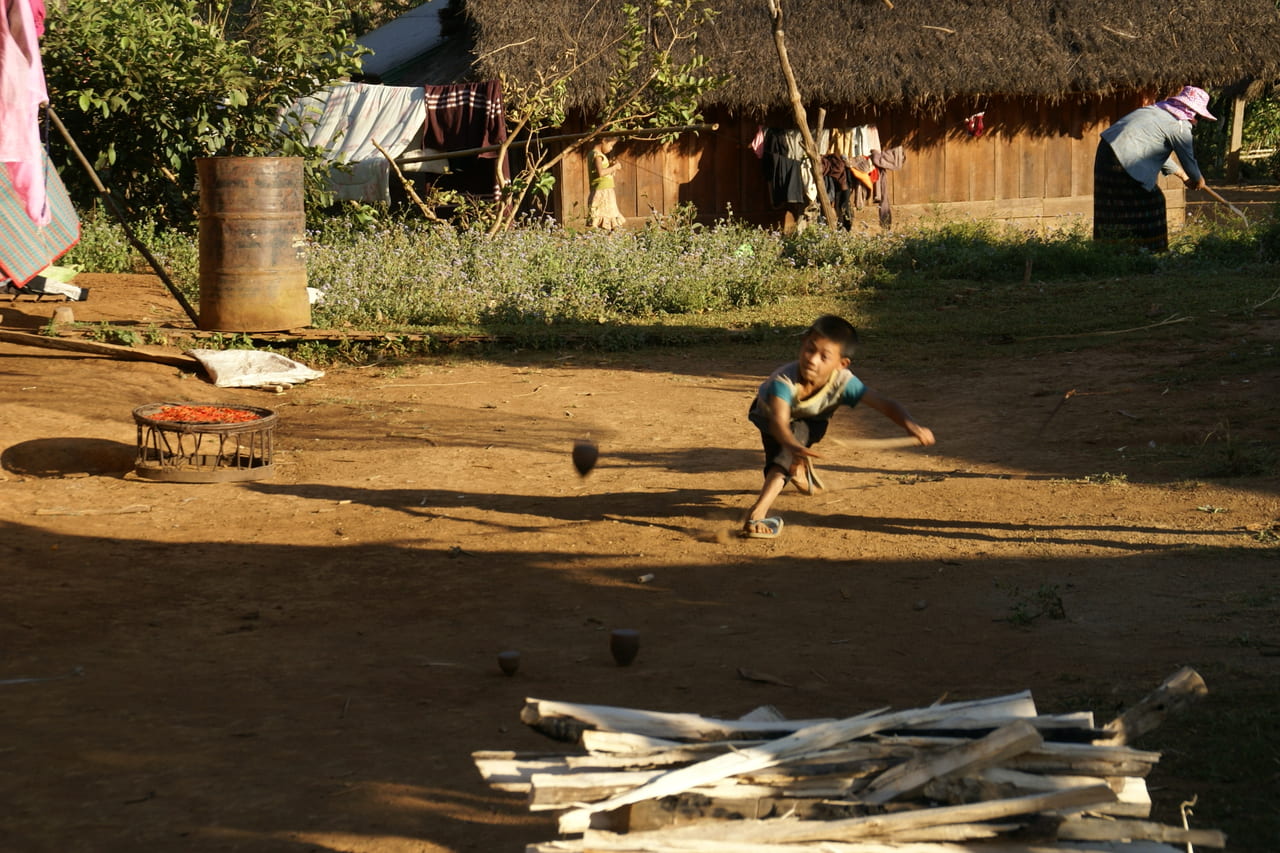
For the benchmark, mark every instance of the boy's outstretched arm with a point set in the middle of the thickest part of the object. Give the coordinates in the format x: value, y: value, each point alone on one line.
x: 780, y: 428
x: 894, y: 411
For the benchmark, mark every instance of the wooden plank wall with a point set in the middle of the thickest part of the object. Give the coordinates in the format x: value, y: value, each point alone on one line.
x: 1032, y: 167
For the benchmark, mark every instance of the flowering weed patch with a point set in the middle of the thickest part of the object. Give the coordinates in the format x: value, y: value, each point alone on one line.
x: 417, y: 275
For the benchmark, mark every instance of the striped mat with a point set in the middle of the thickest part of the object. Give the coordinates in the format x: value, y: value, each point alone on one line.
x: 25, y: 249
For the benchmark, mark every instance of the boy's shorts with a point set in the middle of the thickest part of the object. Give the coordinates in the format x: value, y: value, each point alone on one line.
x: 808, y: 431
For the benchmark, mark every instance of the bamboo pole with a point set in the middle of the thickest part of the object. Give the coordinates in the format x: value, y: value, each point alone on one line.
x: 561, y: 137
x: 797, y: 106
x: 119, y: 215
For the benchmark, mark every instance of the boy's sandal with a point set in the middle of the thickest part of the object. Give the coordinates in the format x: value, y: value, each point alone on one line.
x: 762, y: 528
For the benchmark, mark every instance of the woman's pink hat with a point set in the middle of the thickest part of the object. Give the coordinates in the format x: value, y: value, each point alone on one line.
x: 1196, y: 100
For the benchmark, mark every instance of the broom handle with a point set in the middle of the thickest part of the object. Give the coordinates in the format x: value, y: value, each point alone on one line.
x: 1234, y: 209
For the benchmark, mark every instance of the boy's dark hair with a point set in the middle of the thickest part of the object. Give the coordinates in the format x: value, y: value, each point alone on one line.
x: 836, y: 329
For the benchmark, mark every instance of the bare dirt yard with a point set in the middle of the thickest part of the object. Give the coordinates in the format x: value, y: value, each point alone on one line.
x: 306, y: 662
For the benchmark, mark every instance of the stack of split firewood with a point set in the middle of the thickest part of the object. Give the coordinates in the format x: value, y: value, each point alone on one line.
x: 992, y: 776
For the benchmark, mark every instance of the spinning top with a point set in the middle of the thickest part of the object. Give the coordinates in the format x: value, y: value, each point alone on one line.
x: 585, y: 454
x: 508, y: 662
x: 624, y: 645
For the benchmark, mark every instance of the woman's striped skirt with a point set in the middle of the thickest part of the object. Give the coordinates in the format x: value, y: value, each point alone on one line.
x: 1124, y: 211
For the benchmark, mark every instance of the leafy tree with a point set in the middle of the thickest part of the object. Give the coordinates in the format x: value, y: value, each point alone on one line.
x: 147, y: 86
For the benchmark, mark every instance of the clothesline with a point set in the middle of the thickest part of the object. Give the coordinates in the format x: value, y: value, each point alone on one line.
x: 562, y: 137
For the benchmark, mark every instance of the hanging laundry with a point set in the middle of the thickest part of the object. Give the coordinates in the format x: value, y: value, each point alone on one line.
x: 841, y: 142
x: 887, y: 161
x: 787, y: 169
x: 757, y: 142
x: 865, y: 175
x: 346, y: 120
x: 974, y: 124
x: 467, y: 115
x: 22, y: 92
x: 839, y: 185
x: 866, y: 138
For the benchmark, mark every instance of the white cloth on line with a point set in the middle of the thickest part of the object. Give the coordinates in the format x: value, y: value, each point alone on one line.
x: 347, y: 118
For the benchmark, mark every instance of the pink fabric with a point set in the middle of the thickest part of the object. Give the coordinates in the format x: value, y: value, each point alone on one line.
x: 1176, y: 109
x: 22, y: 91
x: 1188, y: 104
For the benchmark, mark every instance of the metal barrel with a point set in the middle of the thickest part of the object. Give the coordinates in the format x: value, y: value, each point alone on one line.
x: 253, y: 273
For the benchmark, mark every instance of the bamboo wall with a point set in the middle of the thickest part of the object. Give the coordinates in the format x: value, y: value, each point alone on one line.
x: 1032, y: 167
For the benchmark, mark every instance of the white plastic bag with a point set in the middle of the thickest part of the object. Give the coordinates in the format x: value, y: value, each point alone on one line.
x: 249, y: 368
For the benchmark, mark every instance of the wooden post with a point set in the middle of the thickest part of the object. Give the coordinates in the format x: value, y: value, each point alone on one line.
x: 797, y: 106
x: 1237, y: 140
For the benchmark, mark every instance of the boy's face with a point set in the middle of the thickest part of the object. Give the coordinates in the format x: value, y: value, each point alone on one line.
x: 819, y: 358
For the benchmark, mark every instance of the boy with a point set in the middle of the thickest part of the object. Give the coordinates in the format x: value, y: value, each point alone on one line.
x: 794, y: 407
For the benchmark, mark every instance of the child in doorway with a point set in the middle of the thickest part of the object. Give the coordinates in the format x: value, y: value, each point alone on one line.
x: 604, y: 201
x: 794, y: 406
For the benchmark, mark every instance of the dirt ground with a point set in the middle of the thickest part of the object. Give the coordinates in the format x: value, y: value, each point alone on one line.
x: 306, y: 662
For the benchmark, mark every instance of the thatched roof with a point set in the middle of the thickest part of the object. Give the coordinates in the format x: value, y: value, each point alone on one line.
x: 917, y: 53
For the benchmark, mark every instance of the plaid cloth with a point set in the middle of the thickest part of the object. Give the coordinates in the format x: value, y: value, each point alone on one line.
x: 1124, y: 211
x: 25, y: 248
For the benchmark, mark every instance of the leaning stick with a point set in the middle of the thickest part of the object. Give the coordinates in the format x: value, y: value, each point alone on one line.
x: 881, y: 443
x: 1065, y: 397
x: 1169, y: 321
x: 426, y: 211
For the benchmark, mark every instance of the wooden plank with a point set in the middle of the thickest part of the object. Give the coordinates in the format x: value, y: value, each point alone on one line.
x: 1008, y: 152
x: 690, y: 808
x: 639, y: 183
x: 553, y: 792
x: 1083, y: 151
x: 1178, y: 691
x: 805, y: 741
x: 732, y: 170
x: 94, y: 348
x: 1031, y: 165
x: 678, y: 754
x: 1132, y: 797
x: 510, y: 771
x: 625, y: 743
x: 1006, y: 741
x: 626, y: 844
x: 879, y: 826
x: 959, y: 154
x: 1055, y: 150
x: 1042, y: 722
x: 982, y: 165
x: 1081, y: 758
x: 859, y: 759
x: 928, y: 164
x: 1093, y: 829
x: 693, y: 727
x: 680, y: 726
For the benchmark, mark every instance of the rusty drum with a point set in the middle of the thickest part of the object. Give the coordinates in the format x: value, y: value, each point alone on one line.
x: 253, y: 274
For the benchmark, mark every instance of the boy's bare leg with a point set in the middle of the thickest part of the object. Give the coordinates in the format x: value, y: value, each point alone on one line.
x: 774, y: 481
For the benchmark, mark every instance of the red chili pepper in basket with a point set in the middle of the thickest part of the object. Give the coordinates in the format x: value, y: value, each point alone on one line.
x: 204, y: 415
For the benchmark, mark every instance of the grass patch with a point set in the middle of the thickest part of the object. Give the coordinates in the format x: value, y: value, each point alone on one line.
x: 928, y: 297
